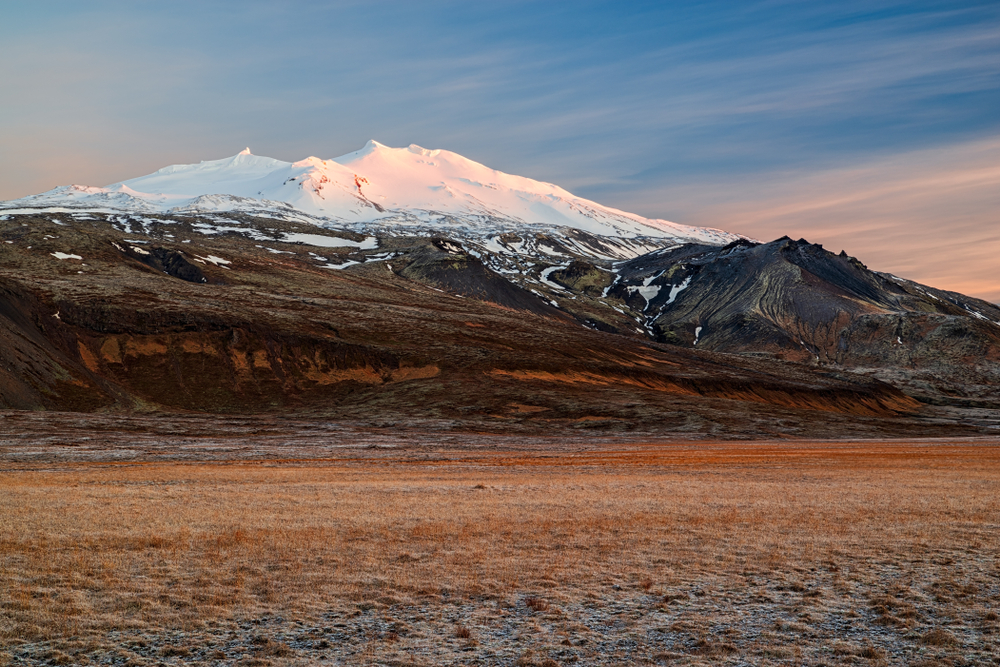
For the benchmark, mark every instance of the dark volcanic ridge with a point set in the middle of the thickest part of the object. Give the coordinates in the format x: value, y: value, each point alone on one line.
x: 231, y: 314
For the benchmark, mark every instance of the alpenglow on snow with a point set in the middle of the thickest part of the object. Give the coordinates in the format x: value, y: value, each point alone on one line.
x: 398, y: 190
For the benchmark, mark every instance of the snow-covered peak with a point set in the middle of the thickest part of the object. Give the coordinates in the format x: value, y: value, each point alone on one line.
x: 376, y: 185
x: 417, y: 150
x: 240, y: 166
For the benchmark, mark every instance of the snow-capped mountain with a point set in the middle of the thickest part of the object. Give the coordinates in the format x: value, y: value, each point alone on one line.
x: 378, y: 188
x: 256, y: 284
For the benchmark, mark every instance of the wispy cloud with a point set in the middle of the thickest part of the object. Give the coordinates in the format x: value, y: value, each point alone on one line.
x: 931, y: 215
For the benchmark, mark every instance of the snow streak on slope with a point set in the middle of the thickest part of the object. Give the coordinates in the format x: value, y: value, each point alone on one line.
x: 375, y: 187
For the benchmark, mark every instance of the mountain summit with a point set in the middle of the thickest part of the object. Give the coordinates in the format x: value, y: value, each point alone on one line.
x: 410, y: 187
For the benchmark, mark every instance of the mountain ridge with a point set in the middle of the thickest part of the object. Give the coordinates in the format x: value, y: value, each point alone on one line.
x: 120, y: 300
x: 375, y: 186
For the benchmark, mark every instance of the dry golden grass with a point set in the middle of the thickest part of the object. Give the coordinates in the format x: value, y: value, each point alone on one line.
x: 690, y: 552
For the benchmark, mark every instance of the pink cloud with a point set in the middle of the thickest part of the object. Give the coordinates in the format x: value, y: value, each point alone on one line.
x: 932, y: 216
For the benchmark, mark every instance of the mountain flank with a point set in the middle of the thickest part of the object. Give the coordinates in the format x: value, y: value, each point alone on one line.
x: 413, y: 328
x: 413, y: 284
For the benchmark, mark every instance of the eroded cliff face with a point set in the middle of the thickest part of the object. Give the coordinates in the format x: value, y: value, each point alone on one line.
x: 241, y: 369
x: 420, y: 328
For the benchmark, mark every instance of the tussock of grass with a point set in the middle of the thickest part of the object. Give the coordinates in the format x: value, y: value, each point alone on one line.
x: 938, y: 637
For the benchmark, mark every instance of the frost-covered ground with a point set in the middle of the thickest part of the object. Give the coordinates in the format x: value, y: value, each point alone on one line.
x: 145, y: 541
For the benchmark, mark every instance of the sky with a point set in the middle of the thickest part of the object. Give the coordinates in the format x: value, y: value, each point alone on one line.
x: 872, y: 127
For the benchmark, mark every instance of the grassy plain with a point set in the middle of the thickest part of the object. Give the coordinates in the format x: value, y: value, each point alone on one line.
x: 817, y: 553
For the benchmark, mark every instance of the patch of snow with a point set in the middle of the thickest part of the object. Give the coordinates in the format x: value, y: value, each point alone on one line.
x: 607, y: 289
x: 218, y: 261
x: 676, y: 289
x: 550, y: 251
x: 926, y: 293
x: 39, y: 210
x: 141, y: 251
x: 320, y: 241
x: 697, y: 334
x: 649, y: 292
x: 982, y: 317
x: 544, y: 276
x: 493, y: 245
x: 899, y: 340
x: 340, y: 266
x: 62, y: 255
x: 210, y: 230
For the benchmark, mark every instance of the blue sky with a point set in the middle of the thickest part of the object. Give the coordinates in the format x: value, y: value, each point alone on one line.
x: 847, y: 123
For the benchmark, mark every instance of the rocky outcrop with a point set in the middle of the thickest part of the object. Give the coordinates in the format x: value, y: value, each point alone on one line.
x: 794, y: 300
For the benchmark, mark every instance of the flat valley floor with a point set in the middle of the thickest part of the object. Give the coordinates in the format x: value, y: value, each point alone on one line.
x: 196, y: 540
